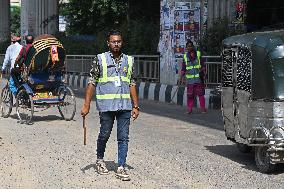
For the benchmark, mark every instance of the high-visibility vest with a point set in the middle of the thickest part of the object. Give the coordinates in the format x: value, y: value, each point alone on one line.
x: 192, y: 68
x: 112, y: 89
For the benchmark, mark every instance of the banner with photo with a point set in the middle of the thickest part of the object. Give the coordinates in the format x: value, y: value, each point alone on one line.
x: 186, y: 25
x: 240, y: 11
x: 179, y: 22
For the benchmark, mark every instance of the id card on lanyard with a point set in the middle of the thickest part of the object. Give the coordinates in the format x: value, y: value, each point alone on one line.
x: 117, y: 82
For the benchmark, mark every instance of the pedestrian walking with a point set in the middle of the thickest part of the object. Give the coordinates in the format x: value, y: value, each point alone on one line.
x: 193, y: 69
x: 111, y: 77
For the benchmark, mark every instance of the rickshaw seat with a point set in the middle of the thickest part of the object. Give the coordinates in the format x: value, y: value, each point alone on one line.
x: 43, y: 81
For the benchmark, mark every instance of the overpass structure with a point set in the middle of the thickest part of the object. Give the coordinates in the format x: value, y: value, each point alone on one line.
x: 37, y: 17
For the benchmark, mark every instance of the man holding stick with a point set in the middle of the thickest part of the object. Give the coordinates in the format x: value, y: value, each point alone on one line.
x: 111, y: 77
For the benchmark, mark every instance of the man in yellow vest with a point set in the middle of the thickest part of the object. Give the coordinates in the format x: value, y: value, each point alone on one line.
x: 193, y: 69
x: 111, y: 77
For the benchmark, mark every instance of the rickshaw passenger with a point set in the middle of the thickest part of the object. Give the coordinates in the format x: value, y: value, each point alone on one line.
x: 17, y: 69
x: 11, y: 55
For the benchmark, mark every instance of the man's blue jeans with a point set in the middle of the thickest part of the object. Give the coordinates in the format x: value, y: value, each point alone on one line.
x: 13, y: 87
x: 107, y: 121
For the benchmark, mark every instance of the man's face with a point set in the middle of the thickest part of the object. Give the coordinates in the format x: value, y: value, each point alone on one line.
x: 115, y: 43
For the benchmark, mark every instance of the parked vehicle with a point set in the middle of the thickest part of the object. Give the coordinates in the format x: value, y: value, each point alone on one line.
x: 253, y: 95
x: 41, y: 82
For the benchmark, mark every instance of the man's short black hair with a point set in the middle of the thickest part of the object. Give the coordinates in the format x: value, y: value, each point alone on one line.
x: 113, y: 32
x: 29, y: 39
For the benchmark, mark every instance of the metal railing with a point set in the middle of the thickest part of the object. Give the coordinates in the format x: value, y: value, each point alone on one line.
x: 79, y: 63
x: 147, y: 67
x: 213, y: 70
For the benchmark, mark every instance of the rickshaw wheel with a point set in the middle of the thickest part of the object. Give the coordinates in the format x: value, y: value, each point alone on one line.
x: 244, y: 148
x: 262, y: 160
x: 67, y: 108
x: 24, y: 106
x: 6, y: 100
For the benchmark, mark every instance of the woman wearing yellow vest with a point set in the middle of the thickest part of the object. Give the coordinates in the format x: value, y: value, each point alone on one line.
x: 193, y: 69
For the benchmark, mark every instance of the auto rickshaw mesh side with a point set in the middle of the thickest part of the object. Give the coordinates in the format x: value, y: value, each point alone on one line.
x: 253, y: 95
x: 259, y: 65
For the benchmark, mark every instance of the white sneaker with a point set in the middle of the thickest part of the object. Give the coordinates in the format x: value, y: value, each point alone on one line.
x: 101, y: 167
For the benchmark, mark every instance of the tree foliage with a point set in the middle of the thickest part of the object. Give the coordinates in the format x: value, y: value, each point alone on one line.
x: 15, y: 20
x: 138, y: 20
x: 212, y: 41
x: 15, y: 27
x: 92, y: 16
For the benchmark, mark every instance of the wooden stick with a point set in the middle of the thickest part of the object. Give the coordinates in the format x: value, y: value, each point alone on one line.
x: 85, y: 131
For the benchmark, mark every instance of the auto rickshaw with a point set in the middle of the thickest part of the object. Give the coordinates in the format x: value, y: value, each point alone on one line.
x: 252, y: 93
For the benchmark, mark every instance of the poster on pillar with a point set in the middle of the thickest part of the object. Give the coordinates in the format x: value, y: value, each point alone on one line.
x: 186, y: 26
x: 179, y: 22
x: 165, y: 46
x: 204, y: 17
x: 240, y: 11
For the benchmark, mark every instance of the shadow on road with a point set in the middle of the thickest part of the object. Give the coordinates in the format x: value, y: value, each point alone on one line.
x: 246, y: 160
x: 40, y: 118
x: 111, y: 166
x: 212, y: 119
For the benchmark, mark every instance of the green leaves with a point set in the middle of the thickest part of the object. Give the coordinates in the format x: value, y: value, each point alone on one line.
x: 138, y: 20
x: 15, y: 20
x: 90, y: 17
x: 212, y: 41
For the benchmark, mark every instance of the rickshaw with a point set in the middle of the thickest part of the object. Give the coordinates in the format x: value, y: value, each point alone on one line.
x: 41, y: 82
x: 252, y: 95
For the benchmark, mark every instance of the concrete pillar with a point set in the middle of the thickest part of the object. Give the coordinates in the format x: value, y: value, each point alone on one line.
x: 28, y: 17
x: 223, y: 11
x: 4, y: 20
x: 39, y: 17
x: 216, y: 9
x: 210, y: 8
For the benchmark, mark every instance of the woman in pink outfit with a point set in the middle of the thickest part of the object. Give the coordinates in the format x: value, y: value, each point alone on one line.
x: 193, y: 70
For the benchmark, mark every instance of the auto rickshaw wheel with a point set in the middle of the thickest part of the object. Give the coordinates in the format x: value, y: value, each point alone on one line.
x: 244, y: 148
x: 24, y: 106
x: 6, y: 100
x: 262, y: 160
x: 67, y: 108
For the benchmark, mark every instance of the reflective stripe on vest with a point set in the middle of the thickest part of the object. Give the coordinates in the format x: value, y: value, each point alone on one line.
x: 188, y: 68
x: 105, y: 78
x: 113, y: 96
x: 188, y: 76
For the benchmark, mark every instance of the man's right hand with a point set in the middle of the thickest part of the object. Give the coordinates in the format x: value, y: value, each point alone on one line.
x: 3, y: 71
x: 85, y: 110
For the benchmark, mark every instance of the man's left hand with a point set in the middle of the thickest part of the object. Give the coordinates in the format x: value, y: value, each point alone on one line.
x: 134, y: 113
